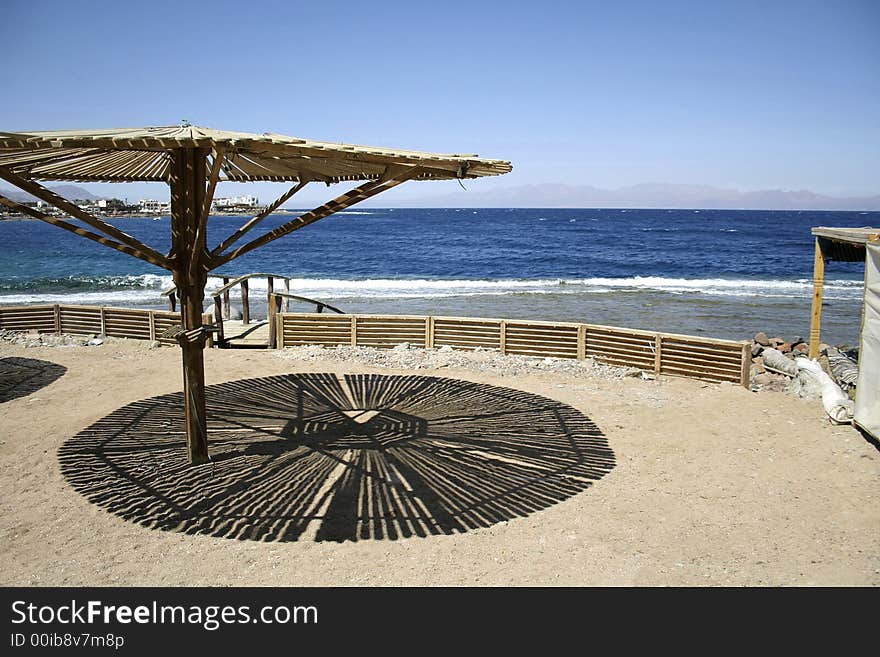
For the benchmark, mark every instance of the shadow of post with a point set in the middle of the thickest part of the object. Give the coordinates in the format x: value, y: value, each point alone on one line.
x: 327, y: 458
x: 20, y: 377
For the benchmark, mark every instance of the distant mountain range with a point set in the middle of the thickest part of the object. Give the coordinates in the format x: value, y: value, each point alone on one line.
x: 553, y: 195
x: 649, y: 195
x: 73, y: 192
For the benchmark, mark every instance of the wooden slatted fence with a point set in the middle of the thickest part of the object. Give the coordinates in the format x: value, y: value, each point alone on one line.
x: 84, y: 320
x: 662, y: 353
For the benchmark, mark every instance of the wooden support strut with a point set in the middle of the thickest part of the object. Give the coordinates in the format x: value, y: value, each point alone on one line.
x: 269, y: 209
x: 356, y: 195
x: 159, y: 261
x: 144, y: 252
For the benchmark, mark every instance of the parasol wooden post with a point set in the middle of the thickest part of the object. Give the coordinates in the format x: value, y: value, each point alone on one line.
x: 190, y: 276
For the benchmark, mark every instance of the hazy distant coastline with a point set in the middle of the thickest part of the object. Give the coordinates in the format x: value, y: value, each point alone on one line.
x: 646, y: 196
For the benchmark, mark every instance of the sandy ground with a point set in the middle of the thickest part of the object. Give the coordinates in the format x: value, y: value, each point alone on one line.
x: 714, y: 485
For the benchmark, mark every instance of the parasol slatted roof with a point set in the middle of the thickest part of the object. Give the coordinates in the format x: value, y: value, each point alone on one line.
x: 143, y: 154
x: 192, y: 160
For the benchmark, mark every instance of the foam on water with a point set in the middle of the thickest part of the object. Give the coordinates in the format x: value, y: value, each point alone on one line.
x: 147, y: 288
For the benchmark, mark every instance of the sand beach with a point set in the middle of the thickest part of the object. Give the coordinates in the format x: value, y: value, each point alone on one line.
x: 711, y: 484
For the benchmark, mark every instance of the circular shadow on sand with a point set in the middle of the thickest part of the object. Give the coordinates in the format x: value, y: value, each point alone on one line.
x: 20, y: 377
x: 326, y: 457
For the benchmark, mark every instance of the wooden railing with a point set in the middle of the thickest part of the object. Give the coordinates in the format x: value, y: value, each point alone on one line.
x: 85, y: 320
x: 661, y: 353
x: 274, y: 300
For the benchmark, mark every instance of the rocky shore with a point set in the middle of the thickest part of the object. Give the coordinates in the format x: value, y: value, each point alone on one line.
x: 768, y: 372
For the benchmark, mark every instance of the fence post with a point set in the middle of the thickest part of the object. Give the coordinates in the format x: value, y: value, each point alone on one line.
x: 270, y: 284
x: 103, y: 322
x: 226, y: 297
x: 274, y: 306
x: 745, y: 375
x: 218, y: 319
x: 245, y: 304
x: 354, y: 330
x: 502, y: 336
x: 429, y: 332
x: 152, y: 321
x: 658, y: 353
x: 582, y: 342
x: 57, y: 315
x: 286, y: 291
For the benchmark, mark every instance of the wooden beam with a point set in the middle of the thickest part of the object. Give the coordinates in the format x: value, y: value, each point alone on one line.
x: 346, y: 200
x: 269, y: 209
x: 818, y: 283
x: 218, y: 154
x: 187, y: 181
x: 82, y: 232
x: 64, y: 205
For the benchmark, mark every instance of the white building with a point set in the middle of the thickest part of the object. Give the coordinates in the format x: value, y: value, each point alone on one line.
x: 237, y: 202
x: 151, y: 206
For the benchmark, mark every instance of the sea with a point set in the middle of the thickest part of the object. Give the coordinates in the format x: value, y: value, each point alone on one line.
x: 714, y: 273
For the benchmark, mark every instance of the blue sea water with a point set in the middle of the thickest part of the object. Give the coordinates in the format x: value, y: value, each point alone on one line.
x: 719, y: 273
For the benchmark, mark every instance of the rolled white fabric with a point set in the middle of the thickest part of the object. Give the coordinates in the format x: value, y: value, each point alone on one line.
x: 837, y: 405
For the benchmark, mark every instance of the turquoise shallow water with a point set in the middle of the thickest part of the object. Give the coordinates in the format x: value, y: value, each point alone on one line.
x: 706, y: 272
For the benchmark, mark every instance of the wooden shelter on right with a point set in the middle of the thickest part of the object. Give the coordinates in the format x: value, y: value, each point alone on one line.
x: 854, y: 245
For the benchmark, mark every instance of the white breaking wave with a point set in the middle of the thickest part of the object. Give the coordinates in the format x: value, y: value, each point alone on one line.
x: 146, y: 289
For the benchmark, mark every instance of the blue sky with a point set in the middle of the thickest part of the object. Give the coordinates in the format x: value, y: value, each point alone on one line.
x: 751, y: 95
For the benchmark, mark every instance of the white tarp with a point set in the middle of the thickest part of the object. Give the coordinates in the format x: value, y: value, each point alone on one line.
x: 867, y: 411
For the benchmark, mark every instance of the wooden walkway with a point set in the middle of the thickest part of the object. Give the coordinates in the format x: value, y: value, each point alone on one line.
x: 254, y: 335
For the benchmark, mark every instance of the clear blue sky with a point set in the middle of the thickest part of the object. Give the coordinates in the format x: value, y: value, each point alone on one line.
x: 743, y: 94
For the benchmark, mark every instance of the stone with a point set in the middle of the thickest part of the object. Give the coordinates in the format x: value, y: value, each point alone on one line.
x: 784, y: 347
x: 758, y: 364
x: 778, y: 340
x: 797, y: 340
x: 801, y: 347
x: 761, y: 339
x: 763, y: 379
x: 757, y: 348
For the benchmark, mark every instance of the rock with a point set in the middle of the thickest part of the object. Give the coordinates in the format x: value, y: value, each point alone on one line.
x: 445, y: 348
x: 95, y: 342
x: 823, y: 348
x: 777, y: 340
x: 403, y: 346
x: 797, y: 340
x: 763, y: 379
x: 757, y: 348
x: 762, y: 339
x: 154, y: 344
x: 758, y: 364
x: 784, y: 347
x: 801, y: 348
